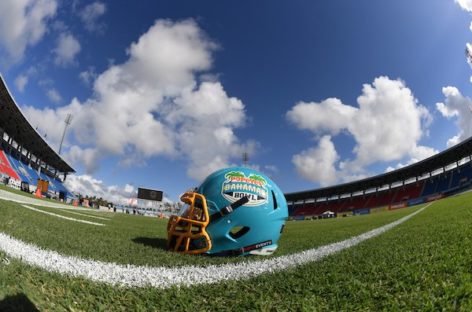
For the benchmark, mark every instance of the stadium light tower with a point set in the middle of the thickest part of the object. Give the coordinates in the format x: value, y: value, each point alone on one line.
x: 67, y: 121
x: 245, y: 158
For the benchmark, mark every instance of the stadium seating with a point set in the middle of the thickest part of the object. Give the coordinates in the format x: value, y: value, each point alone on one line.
x: 461, y: 175
x: 407, y: 192
x: 429, y: 186
x: 6, y: 167
x: 21, y: 172
x: 383, y: 198
x: 25, y: 173
x: 443, y: 182
x: 434, y: 187
x: 356, y: 203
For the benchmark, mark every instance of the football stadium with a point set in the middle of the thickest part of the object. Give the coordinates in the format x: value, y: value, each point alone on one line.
x: 251, y: 236
x: 400, y: 240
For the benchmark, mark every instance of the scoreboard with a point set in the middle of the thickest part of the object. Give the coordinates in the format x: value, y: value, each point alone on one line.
x: 149, y: 194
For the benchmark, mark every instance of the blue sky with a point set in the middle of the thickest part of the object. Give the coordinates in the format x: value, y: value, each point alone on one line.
x: 163, y: 93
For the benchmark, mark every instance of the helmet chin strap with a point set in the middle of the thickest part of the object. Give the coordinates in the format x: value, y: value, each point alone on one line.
x: 229, y: 209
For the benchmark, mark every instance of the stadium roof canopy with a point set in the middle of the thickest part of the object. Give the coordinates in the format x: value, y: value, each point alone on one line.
x: 13, y: 122
x: 419, y: 169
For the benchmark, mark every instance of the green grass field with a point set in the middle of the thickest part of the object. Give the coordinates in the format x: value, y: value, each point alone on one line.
x: 423, y: 264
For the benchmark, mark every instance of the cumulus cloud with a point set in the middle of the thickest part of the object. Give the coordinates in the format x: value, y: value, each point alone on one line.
x: 318, y: 164
x: 154, y: 104
x: 466, y: 5
x: 20, y: 82
x: 90, y: 15
x: 87, y: 185
x: 386, y: 126
x: 23, y: 23
x: 468, y: 53
x: 318, y: 116
x: 88, y: 76
x: 46, y: 121
x: 54, y: 96
x: 418, y: 154
x: 86, y: 156
x: 67, y: 49
x: 459, y: 107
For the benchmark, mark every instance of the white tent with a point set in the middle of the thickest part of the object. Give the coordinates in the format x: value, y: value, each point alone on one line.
x: 328, y: 214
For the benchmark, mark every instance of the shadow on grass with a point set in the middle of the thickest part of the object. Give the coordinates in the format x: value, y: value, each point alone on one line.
x: 17, y: 303
x: 151, y: 242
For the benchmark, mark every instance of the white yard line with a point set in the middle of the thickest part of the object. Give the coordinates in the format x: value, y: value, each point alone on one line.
x: 165, y: 277
x: 38, y: 202
x: 86, y: 215
x: 32, y: 201
x: 63, y: 217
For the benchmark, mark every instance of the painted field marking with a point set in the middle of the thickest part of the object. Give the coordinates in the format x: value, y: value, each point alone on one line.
x: 165, y: 277
x: 63, y: 217
x: 86, y: 215
x: 5, y: 195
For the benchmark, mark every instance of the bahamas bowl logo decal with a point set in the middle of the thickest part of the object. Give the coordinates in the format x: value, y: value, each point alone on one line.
x: 237, y: 185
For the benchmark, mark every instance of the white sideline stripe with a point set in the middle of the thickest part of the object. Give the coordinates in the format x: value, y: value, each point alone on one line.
x: 165, y: 277
x: 86, y: 215
x: 37, y: 202
x: 63, y: 217
x: 33, y: 201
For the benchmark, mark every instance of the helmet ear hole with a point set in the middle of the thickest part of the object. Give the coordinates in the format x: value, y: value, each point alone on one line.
x: 275, y: 200
x: 238, y: 231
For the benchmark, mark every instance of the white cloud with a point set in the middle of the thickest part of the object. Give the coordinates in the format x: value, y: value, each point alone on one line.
x: 206, y: 117
x: 153, y: 104
x: 47, y: 121
x: 466, y: 5
x: 90, y: 15
x: 386, y: 126
x: 54, y: 96
x: 418, y: 154
x: 67, y: 49
x: 20, y: 82
x: 23, y: 23
x: 88, y: 76
x: 460, y: 107
x: 87, y: 185
x: 318, y: 164
x: 421, y: 152
x: 454, y: 140
x: 318, y: 116
x: 468, y: 50
x: 86, y: 156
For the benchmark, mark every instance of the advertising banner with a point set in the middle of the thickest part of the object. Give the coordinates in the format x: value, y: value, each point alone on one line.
x: 361, y: 211
x: 416, y: 201
x: 397, y: 206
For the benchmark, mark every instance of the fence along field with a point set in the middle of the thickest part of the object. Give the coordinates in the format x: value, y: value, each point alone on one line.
x: 400, y: 268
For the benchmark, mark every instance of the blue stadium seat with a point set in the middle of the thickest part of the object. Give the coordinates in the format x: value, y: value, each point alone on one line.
x: 31, y: 176
x: 429, y: 186
x: 443, y: 183
x: 461, y: 174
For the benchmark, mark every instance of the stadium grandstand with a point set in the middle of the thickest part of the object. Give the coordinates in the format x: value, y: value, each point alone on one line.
x: 25, y: 157
x: 441, y: 175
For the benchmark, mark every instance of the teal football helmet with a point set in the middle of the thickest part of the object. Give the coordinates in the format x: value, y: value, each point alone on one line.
x: 235, y: 211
